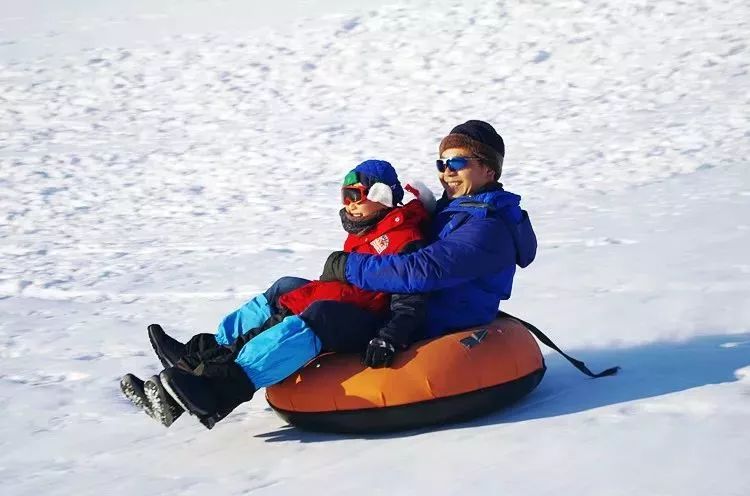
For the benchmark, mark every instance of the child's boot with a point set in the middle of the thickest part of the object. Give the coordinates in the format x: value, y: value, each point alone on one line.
x: 210, y: 392
x: 132, y: 388
x: 170, y: 351
x: 164, y: 406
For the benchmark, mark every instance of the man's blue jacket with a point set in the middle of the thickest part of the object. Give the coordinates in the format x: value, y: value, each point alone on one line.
x: 469, y: 266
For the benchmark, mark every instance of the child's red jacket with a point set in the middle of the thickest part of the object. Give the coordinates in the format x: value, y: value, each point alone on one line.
x: 400, y: 227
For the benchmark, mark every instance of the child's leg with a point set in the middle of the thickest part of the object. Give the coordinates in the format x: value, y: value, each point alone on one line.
x: 284, y: 348
x: 255, y: 312
x: 283, y: 286
x: 212, y: 384
x: 277, y: 352
x: 218, y: 383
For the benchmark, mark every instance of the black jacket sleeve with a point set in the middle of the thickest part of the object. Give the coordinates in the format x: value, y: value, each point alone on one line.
x: 408, y: 312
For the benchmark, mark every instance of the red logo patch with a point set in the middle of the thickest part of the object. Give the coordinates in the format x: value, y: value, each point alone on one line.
x: 380, y: 244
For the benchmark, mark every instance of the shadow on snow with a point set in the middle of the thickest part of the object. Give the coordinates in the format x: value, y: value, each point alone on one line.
x: 648, y: 371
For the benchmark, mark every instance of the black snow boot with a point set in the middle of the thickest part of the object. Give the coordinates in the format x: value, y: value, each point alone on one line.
x: 232, y: 385
x: 169, y: 350
x: 132, y: 388
x: 211, y: 391
x: 166, y: 409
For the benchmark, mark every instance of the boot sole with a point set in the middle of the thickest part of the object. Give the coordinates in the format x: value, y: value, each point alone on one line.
x: 168, y: 388
x: 207, y: 421
x: 163, y: 411
x: 131, y: 392
x: 163, y: 359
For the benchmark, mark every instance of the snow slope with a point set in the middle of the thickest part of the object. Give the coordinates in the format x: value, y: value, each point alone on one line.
x: 154, y: 164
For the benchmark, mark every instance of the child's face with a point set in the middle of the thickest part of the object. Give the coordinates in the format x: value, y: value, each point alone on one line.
x: 363, y: 209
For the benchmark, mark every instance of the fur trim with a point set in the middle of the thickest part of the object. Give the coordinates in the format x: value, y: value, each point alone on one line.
x: 417, y: 190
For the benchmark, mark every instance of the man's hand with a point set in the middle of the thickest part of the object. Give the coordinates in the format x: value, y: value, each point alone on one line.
x: 379, y: 353
x: 335, y: 267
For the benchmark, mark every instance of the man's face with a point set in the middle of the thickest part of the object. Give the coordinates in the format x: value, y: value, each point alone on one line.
x: 468, y: 180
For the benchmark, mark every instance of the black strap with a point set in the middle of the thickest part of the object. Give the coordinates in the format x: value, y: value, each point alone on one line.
x: 547, y: 341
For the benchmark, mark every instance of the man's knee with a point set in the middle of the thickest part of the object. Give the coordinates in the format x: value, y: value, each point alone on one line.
x: 341, y: 327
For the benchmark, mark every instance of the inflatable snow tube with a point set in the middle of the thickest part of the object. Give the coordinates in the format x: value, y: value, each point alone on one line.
x: 447, y: 379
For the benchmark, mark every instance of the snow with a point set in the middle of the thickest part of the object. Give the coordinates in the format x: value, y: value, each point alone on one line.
x: 163, y: 161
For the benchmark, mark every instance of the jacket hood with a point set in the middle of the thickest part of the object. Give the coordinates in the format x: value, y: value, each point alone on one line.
x: 496, y: 202
x: 492, y: 198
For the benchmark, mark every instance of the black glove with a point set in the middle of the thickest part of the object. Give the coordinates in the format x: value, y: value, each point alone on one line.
x: 335, y: 267
x: 379, y: 353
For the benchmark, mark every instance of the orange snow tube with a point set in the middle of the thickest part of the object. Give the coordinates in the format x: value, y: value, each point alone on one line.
x: 446, y: 379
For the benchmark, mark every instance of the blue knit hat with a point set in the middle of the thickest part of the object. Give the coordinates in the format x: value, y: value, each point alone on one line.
x: 371, y: 172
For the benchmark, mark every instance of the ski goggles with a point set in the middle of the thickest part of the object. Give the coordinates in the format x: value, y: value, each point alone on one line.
x: 454, y: 164
x: 353, y: 194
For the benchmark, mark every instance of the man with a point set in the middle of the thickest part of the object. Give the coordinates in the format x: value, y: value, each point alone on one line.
x: 479, y: 236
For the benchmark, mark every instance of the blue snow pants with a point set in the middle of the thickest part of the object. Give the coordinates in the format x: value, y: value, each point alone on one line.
x: 256, y: 311
x: 283, y: 348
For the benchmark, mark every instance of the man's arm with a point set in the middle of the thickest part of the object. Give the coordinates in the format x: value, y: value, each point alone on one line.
x: 475, y: 249
x: 408, y: 311
x: 408, y: 315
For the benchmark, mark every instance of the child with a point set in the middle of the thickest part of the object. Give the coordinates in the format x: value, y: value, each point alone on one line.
x: 277, y: 332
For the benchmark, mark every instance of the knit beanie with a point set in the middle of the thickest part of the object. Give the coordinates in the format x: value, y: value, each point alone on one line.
x: 483, y: 141
x: 381, y: 180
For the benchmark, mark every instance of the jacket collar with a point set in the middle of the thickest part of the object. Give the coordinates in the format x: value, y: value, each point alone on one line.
x: 490, y: 197
x: 413, y: 214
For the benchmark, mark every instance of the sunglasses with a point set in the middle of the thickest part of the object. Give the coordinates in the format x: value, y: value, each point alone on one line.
x: 454, y: 164
x: 353, y: 194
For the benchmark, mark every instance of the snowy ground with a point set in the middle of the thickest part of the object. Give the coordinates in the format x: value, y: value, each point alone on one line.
x: 162, y: 163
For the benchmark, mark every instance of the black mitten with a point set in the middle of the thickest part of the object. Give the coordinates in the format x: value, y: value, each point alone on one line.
x: 379, y: 353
